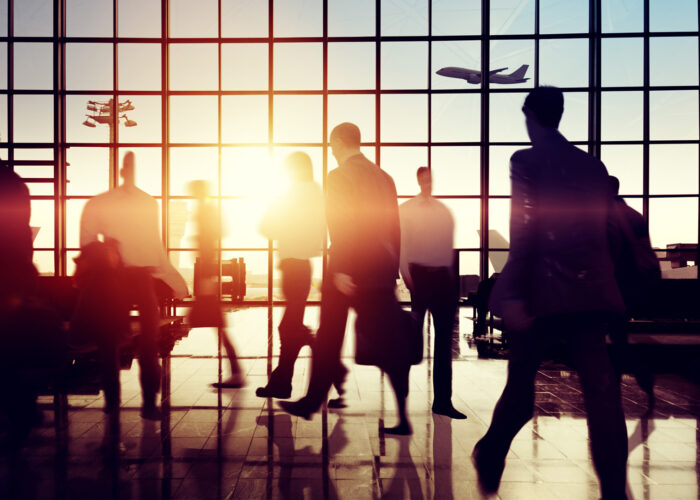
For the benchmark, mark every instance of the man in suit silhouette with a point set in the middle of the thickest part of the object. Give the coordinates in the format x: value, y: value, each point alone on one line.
x: 363, y: 224
x: 558, y: 283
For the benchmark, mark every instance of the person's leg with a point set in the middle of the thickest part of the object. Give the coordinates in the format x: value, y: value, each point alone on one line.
x: 398, y: 376
x: 108, y: 353
x: 601, y: 394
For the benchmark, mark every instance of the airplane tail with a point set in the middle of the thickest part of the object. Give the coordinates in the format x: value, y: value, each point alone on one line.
x: 520, y: 72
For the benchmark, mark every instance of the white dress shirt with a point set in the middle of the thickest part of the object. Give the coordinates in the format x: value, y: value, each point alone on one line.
x: 297, y: 222
x: 427, y: 233
x: 130, y: 216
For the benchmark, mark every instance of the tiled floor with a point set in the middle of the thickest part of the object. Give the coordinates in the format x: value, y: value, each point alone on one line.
x: 231, y: 444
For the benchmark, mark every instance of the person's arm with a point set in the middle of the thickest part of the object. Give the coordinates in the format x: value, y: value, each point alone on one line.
x: 339, y: 215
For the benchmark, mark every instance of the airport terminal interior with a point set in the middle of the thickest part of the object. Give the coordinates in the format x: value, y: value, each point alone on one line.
x: 223, y: 91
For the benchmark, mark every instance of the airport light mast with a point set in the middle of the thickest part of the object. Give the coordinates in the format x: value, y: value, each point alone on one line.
x: 103, y: 113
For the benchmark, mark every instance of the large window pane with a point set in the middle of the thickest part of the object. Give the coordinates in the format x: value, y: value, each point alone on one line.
x: 510, y: 17
x: 194, y: 19
x: 74, y: 209
x: 461, y: 54
x: 401, y: 18
x: 512, y: 54
x: 356, y: 18
x: 506, y: 121
x: 145, y: 120
x: 90, y: 109
x: 680, y: 15
x: 621, y: 116
x: 674, y: 60
x: 622, y: 16
x: 43, y: 217
x: 32, y: 18
x: 33, y: 118
x: 499, y: 221
x: 467, y: 214
x: 455, y: 118
x: 499, y: 169
x: 244, y: 66
x: 404, y: 118
x: 673, y: 220
x: 351, y: 66
x: 298, y: 18
x: 139, y: 66
x: 564, y: 62
x: 245, y: 118
x: 194, y: 66
x: 244, y: 18
x: 194, y: 119
x: 622, y: 62
x: 245, y: 171
x: 673, y: 115
x: 3, y: 65
x: 189, y: 164
x: 404, y: 65
x: 574, y: 121
x: 298, y: 66
x: 33, y: 66
x: 139, y: 18
x: 89, y: 18
x: 241, y: 218
x: 626, y: 163
x: 563, y: 16
x: 455, y: 170
x: 88, y: 171
x: 401, y: 164
x: 298, y: 118
x: 456, y: 17
x: 357, y: 109
x: 673, y: 169
x: 89, y: 66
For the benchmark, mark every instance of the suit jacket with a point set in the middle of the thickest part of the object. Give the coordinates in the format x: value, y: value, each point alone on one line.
x: 559, y: 260
x: 363, y: 223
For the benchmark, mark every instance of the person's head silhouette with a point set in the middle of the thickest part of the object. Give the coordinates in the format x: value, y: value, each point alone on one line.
x: 345, y: 141
x: 299, y: 168
x: 127, y: 172
x: 425, y: 181
x: 543, y: 109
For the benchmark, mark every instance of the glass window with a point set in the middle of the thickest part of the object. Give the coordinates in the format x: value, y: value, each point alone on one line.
x: 404, y: 118
x: 673, y: 115
x: 455, y: 170
x: 139, y: 66
x: 183, y: 227
x: 467, y: 214
x: 673, y: 169
x: 139, y: 18
x: 564, y: 62
x: 194, y: 119
x: 256, y: 279
x: 404, y: 65
x: 298, y: 118
x: 506, y: 121
x: 36, y: 171
x: 244, y: 66
x: 499, y: 221
x: 89, y: 18
x: 3, y: 65
x: 355, y: 108
x: 277, y: 181
x: 74, y: 209
x: 455, y: 53
x: 245, y: 171
x: 355, y: 18
x: 43, y: 217
x: 510, y: 17
x: 32, y: 18
x: 4, y: 117
x: 468, y: 263
x: 673, y: 60
x: 144, y: 122
x: 456, y: 17
x: 194, y: 19
x: 401, y: 18
x: 622, y: 16
x: 499, y: 169
x: 33, y: 66
x: 89, y: 66
x: 673, y: 220
x: 241, y: 218
x: 298, y: 18
x: 456, y: 118
x: 44, y: 262
x: 563, y: 16
x: 621, y: 116
x: 681, y: 15
x: 33, y: 118
x: 244, y: 18
x: 3, y: 15
x: 298, y: 66
x: 351, y: 66
x: 401, y: 164
x: 513, y: 55
x: 244, y: 118
x: 626, y: 163
x: 189, y: 164
x: 87, y: 171
x: 194, y: 66
x: 622, y: 62
x: 91, y: 109
x: 149, y: 168
x: 574, y: 121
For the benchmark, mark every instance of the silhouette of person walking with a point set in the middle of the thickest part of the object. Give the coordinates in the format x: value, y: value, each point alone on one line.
x: 363, y: 224
x: 128, y: 217
x: 558, y: 283
x: 297, y: 223
x: 207, y: 307
x: 427, y: 236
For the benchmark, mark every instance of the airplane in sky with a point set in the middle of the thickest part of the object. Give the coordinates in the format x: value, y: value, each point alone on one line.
x: 474, y: 76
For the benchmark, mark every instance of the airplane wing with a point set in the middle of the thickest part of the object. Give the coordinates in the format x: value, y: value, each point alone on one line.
x: 497, y: 70
x: 454, y: 72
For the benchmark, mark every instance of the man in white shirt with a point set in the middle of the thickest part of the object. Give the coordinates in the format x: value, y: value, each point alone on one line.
x: 128, y: 217
x: 427, y: 267
x: 297, y: 223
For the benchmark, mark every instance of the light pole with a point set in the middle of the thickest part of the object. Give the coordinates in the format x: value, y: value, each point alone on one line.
x: 103, y: 113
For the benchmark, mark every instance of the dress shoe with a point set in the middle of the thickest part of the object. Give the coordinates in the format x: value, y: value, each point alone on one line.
x: 274, y: 391
x: 235, y: 381
x: 151, y: 412
x: 489, y: 468
x: 298, y: 408
x: 403, y: 429
x: 448, y: 411
x: 339, y: 379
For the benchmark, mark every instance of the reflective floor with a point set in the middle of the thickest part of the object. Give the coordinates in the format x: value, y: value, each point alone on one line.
x: 230, y: 444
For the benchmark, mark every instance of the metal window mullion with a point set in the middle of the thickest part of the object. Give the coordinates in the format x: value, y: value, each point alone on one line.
x: 10, y: 84
x: 165, y: 125
x: 645, y: 115
x: 697, y: 258
x: 594, y: 78
x: 377, y: 80
x: 114, y: 169
x: 60, y: 151
x: 270, y: 134
x: 430, y: 86
x: 537, y: 43
x: 219, y: 202
x: 324, y: 147
x: 484, y: 153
